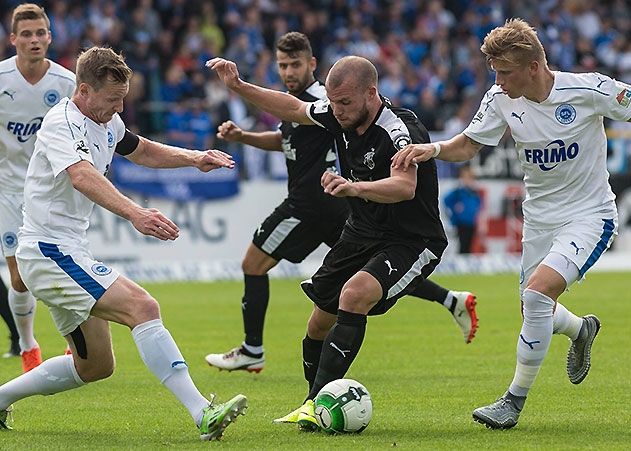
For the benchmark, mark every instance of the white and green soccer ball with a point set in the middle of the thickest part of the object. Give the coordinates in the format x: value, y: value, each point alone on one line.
x: 343, y: 405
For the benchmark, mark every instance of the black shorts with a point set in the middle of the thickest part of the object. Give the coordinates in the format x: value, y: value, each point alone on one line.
x: 284, y: 236
x: 398, y: 267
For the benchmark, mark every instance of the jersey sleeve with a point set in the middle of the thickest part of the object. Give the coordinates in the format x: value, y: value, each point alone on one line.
x: 64, y: 147
x: 321, y: 115
x: 613, y: 99
x: 487, y: 126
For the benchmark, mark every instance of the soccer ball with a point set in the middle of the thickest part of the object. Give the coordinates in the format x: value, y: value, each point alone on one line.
x: 343, y: 405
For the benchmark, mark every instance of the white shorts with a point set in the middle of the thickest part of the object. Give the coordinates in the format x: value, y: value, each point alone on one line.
x: 10, y: 221
x: 67, y: 279
x: 580, y: 241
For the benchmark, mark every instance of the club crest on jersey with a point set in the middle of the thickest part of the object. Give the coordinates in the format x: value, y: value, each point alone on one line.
x: 81, y: 146
x: 565, y: 114
x: 368, y: 158
x: 22, y: 131
x: 552, y: 154
x: 10, y: 240
x: 100, y: 269
x: 110, y: 138
x: 402, y: 140
x: 624, y: 97
x: 51, y: 97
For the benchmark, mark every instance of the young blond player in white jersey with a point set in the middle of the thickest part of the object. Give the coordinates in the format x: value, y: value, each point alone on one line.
x: 65, y: 178
x: 570, y: 217
x: 30, y: 85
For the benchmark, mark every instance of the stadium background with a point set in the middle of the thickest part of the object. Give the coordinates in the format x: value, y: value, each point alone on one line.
x: 427, y: 54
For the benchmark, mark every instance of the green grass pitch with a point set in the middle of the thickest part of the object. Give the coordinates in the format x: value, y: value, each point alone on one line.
x: 423, y: 379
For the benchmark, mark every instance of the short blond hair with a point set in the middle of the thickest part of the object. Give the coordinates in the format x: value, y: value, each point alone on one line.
x: 515, y: 43
x: 99, y: 66
x: 28, y: 11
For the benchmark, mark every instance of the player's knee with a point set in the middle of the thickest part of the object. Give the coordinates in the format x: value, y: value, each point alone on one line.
x: 92, y: 373
x: 354, y: 299
x: 143, y: 307
x: 536, y: 304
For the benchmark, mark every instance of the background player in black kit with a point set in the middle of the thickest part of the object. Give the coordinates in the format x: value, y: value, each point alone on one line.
x: 308, y: 217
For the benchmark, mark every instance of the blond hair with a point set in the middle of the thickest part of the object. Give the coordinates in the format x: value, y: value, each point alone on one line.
x: 99, y: 66
x: 28, y: 11
x: 516, y: 43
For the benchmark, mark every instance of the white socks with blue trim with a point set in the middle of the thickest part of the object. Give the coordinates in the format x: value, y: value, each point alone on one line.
x: 162, y: 356
x: 534, y: 340
x: 23, y: 309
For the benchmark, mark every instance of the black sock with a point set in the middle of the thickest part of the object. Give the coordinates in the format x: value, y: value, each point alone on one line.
x: 339, y: 349
x: 430, y: 291
x: 311, y: 351
x: 254, y: 306
x: 5, y: 312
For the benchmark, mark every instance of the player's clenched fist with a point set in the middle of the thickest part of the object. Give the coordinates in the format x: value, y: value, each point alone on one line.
x: 229, y: 131
x: 337, y: 186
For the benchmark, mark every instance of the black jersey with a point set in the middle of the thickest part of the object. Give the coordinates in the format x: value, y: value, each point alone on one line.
x: 309, y: 152
x: 368, y: 158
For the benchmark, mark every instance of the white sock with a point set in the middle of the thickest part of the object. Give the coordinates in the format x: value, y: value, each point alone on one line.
x: 534, y: 340
x: 162, y: 356
x: 566, y: 322
x: 54, y: 375
x: 253, y: 349
x: 23, y: 309
x: 449, y: 299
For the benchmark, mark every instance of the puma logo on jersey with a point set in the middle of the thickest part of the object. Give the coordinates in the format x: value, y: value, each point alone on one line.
x: 552, y: 154
x: 259, y: 230
x: 8, y: 93
x: 600, y: 82
x: 345, y: 141
x: 334, y: 346
x: 518, y: 116
x: 578, y: 249
x: 390, y: 268
x: 529, y: 343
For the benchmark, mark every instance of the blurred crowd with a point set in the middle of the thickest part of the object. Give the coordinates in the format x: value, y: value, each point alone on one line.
x: 426, y: 51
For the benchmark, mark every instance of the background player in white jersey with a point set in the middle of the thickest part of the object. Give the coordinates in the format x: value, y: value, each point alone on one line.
x: 570, y: 217
x: 308, y: 216
x: 65, y: 178
x: 30, y: 84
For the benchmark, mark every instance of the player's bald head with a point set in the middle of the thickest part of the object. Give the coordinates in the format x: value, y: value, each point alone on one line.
x: 361, y: 71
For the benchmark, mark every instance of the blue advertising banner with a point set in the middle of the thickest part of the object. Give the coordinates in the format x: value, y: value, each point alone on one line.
x: 179, y: 184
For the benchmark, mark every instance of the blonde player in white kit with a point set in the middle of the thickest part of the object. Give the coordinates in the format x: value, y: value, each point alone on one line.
x: 570, y: 217
x: 30, y: 85
x: 65, y: 178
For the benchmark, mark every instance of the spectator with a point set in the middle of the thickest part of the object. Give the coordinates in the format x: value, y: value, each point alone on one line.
x: 463, y: 205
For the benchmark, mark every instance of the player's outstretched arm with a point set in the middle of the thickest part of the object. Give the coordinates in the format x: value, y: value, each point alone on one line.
x: 92, y: 184
x: 458, y: 148
x: 270, y: 140
x: 157, y: 155
x: 282, y: 105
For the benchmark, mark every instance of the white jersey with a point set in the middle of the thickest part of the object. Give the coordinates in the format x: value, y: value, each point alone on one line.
x: 561, y: 144
x: 22, y: 109
x: 54, y: 211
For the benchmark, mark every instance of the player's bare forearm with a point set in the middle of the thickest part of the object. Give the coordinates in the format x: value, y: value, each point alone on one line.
x: 458, y: 148
x: 400, y: 186
x: 157, y: 155
x: 263, y: 140
x: 282, y: 105
x: 93, y: 185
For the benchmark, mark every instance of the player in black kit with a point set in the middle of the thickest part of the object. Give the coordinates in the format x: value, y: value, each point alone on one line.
x: 308, y: 217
